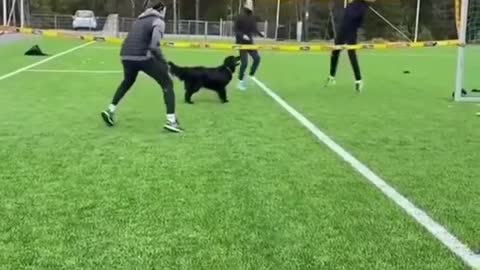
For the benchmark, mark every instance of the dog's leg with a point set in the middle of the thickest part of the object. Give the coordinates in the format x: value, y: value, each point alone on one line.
x: 222, y: 93
x: 188, y: 92
x: 188, y: 97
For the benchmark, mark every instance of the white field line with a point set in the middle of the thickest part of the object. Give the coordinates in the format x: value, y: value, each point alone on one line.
x: 104, y: 48
x: 44, y: 61
x: 75, y: 71
x: 437, y: 230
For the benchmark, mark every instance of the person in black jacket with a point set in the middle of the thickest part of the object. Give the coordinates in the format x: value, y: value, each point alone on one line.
x: 141, y: 52
x: 245, y: 29
x: 347, y: 35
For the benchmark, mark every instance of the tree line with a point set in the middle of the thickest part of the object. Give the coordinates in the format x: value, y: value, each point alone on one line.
x: 437, y: 17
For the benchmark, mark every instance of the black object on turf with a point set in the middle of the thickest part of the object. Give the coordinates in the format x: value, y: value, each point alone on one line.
x: 35, y: 51
x: 463, y: 94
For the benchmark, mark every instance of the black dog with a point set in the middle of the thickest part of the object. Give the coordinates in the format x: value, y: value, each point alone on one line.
x: 215, y: 79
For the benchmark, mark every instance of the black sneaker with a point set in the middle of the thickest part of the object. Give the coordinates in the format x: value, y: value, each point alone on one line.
x: 173, y: 127
x: 107, y: 117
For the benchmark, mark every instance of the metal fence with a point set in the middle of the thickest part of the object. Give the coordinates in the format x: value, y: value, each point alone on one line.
x: 184, y: 28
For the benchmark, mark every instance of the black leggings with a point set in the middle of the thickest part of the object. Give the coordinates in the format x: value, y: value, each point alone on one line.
x: 350, y: 39
x: 157, y: 70
x: 244, y: 62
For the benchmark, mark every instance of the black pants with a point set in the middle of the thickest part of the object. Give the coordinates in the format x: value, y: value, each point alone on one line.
x: 244, y: 62
x: 157, y: 70
x: 349, y: 38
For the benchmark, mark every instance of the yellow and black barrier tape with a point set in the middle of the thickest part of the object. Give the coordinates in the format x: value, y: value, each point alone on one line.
x: 267, y: 47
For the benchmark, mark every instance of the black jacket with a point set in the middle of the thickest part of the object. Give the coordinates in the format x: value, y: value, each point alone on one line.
x: 143, y: 41
x: 353, y: 16
x: 246, y: 25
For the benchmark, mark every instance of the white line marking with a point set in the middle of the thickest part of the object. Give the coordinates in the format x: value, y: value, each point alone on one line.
x: 117, y: 48
x: 44, y: 61
x: 75, y: 71
x: 437, y: 230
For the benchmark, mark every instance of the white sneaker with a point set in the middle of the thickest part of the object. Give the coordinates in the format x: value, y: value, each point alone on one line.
x: 173, y: 127
x: 108, y: 117
x: 330, y: 81
x: 359, y: 86
x: 242, y: 85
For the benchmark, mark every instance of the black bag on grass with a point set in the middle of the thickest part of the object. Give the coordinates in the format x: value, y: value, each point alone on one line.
x: 35, y: 51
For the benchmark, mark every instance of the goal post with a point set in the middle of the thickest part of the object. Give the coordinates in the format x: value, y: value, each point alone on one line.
x: 111, y: 26
x: 4, y: 7
x: 13, y: 13
x: 468, y: 24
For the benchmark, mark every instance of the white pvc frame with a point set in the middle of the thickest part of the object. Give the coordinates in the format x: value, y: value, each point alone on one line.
x: 417, y: 21
x: 462, y: 36
x: 8, y: 14
x: 11, y: 12
x: 4, y: 12
x: 22, y: 13
x: 277, y: 20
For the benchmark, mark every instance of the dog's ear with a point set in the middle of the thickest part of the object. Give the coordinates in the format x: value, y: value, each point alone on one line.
x: 228, y: 60
x: 237, y: 60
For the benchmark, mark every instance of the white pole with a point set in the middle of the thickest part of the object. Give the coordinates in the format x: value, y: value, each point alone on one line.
x: 22, y: 13
x: 417, y: 21
x: 197, y: 16
x: 221, y: 27
x: 345, y: 4
x: 174, y: 16
x: 278, y: 20
x: 461, y: 51
x: 299, y: 31
x: 4, y: 12
x: 206, y: 29
x: 265, y: 29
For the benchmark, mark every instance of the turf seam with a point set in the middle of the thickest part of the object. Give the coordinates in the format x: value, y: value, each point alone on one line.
x: 435, y: 228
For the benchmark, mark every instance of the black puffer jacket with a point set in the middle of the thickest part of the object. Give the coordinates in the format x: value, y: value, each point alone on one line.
x: 353, y: 17
x: 246, y: 28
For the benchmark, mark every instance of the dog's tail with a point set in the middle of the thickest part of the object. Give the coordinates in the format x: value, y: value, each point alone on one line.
x: 177, y: 71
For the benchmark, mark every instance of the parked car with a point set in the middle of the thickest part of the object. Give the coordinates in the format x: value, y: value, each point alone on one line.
x: 84, y: 19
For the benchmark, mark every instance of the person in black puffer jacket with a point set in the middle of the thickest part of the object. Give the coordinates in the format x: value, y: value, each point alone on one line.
x: 141, y: 51
x: 347, y: 35
x: 245, y: 29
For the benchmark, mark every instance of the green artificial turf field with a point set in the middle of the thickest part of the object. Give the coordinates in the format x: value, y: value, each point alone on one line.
x: 246, y: 186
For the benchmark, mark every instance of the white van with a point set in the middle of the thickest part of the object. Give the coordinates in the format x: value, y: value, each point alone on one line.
x: 84, y: 19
